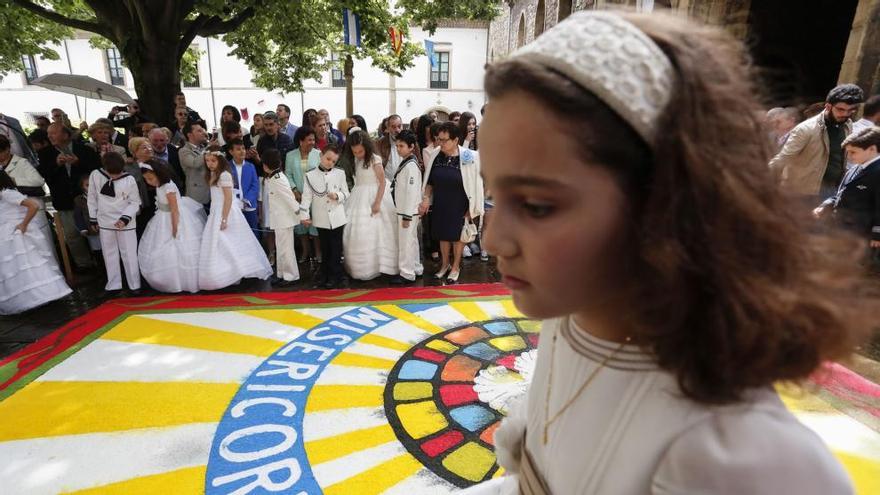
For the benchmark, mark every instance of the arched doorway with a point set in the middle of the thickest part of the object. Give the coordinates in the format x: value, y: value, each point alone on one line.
x: 521, y: 31
x: 540, y: 16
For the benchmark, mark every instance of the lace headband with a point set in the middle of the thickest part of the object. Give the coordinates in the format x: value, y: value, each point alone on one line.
x: 146, y: 167
x: 353, y: 130
x: 614, y: 60
x: 215, y: 153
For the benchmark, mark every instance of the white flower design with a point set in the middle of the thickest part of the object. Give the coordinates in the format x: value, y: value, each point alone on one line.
x: 499, y: 387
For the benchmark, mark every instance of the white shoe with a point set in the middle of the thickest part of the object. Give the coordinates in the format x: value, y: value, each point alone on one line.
x: 466, y: 252
x: 453, y: 277
x: 442, y: 273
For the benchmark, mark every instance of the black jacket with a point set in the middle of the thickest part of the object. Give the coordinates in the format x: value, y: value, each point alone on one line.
x: 858, y: 201
x: 64, y: 186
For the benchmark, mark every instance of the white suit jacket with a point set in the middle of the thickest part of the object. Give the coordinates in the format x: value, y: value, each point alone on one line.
x: 283, y: 206
x: 325, y: 213
x: 106, y: 210
x: 408, y: 189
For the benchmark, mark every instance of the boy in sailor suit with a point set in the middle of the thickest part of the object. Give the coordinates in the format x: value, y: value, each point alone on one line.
x: 325, y: 192
x: 283, y: 214
x: 406, y: 190
x: 113, y: 202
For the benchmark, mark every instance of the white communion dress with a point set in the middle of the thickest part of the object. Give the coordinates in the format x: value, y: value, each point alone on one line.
x: 369, y: 242
x: 227, y: 256
x: 632, y: 432
x: 171, y: 264
x: 29, y: 273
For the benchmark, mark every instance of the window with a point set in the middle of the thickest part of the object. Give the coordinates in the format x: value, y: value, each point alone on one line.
x: 30, y: 68
x: 337, y: 74
x: 440, y: 71
x: 114, y: 66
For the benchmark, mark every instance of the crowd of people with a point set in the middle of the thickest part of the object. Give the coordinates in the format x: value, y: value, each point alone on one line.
x: 188, y: 208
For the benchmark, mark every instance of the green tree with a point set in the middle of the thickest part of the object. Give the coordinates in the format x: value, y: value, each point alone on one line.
x: 282, y: 41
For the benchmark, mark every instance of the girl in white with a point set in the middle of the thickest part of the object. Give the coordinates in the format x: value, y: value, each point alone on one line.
x: 169, y: 249
x: 229, y: 250
x: 370, y: 238
x: 29, y: 274
x: 114, y: 201
x: 406, y: 191
x: 676, y: 284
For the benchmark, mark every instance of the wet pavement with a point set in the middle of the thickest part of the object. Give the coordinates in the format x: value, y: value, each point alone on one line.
x: 20, y: 330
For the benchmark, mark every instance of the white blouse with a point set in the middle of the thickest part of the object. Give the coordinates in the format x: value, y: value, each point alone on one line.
x: 632, y: 432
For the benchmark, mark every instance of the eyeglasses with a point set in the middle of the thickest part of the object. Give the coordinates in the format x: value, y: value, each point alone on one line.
x: 443, y: 140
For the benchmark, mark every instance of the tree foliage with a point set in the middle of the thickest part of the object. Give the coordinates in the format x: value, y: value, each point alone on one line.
x: 283, y: 42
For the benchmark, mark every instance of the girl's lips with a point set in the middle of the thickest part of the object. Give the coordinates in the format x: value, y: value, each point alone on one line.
x: 513, y: 282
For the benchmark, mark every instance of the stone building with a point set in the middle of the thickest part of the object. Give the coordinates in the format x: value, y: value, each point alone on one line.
x: 801, y: 49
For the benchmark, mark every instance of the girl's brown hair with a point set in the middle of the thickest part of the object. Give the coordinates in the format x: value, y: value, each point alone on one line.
x: 363, y: 139
x: 723, y: 278
x: 211, y: 177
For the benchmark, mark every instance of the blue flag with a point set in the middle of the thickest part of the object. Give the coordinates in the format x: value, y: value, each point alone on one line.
x: 351, y: 25
x: 429, y: 49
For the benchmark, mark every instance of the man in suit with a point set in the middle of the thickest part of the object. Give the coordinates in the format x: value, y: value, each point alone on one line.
x: 62, y: 165
x: 11, y: 128
x: 162, y: 151
x: 856, y: 206
x: 192, y: 161
x: 387, y: 146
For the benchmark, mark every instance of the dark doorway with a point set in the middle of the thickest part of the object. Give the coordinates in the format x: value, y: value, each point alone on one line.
x: 799, y: 49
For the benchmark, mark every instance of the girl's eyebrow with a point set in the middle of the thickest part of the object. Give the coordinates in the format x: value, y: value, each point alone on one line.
x: 530, y: 181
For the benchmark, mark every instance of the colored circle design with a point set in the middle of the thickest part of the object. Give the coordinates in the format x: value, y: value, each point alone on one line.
x: 446, y: 396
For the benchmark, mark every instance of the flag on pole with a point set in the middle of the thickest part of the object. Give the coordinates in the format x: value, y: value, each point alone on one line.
x: 351, y: 24
x: 429, y: 49
x: 396, y: 39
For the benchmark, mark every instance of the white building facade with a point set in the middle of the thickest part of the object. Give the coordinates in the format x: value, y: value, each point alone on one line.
x: 454, y: 84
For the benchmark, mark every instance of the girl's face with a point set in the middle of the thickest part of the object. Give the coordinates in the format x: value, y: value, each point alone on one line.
x: 472, y: 124
x: 258, y: 123
x: 144, y: 152
x: 556, y: 217
x: 404, y: 149
x: 227, y: 116
x: 358, y: 151
x: 151, y: 179
x: 211, y: 162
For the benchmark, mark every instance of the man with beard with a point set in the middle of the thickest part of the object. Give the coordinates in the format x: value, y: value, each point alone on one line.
x: 273, y: 138
x: 812, y: 162
x: 387, y: 148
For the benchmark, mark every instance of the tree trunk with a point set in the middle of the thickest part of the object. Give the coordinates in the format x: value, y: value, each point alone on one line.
x: 156, y: 71
x: 349, y: 89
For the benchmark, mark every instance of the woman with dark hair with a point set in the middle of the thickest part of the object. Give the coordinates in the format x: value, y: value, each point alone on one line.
x: 454, y: 194
x: 467, y: 129
x: 370, y: 236
x: 30, y: 274
x: 257, y: 129
x: 309, y: 117
x: 360, y: 122
x: 297, y: 163
x: 454, y: 117
x: 676, y: 284
x: 422, y: 131
x: 168, y: 254
x: 229, y: 114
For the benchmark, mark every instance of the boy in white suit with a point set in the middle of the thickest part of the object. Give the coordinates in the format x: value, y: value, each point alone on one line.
x: 323, y: 199
x: 406, y: 190
x: 113, y: 202
x: 283, y: 214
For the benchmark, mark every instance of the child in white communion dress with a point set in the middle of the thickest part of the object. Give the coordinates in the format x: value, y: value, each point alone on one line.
x: 29, y: 274
x: 676, y: 284
x: 229, y: 251
x: 169, y: 250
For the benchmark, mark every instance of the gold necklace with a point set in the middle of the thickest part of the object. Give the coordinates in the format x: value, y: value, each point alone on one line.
x: 547, y: 419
